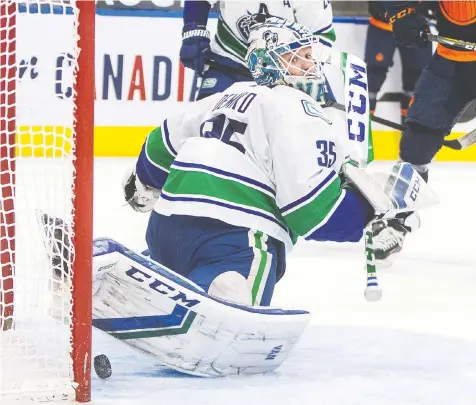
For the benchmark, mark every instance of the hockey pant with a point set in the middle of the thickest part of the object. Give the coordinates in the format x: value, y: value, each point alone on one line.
x: 234, y: 263
x: 442, y: 91
x: 380, y: 49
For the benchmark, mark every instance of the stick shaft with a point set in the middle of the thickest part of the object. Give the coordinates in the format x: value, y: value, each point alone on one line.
x: 460, y: 143
x: 456, y: 43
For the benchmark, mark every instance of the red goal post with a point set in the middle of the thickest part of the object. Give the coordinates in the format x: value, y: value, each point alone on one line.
x: 46, y: 166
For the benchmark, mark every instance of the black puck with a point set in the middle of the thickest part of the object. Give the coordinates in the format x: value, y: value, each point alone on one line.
x: 102, y: 366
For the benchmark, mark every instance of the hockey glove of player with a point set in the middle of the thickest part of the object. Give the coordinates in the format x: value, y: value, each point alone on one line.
x: 195, y: 50
x: 140, y: 197
x: 410, y: 28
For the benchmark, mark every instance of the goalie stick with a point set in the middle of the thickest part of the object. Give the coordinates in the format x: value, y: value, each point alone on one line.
x: 460, y: 143
x: 373, y: 291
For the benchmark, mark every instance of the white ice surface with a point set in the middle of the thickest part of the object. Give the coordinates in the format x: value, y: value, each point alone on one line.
x: 416, y: 346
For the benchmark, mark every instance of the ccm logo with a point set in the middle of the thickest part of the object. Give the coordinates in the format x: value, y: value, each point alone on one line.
x: 415, y: 189
x: 357, y: 109
x: 162, y: 287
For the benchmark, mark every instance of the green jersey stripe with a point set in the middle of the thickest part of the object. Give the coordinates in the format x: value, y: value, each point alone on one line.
x: 329, y: 215
x: 198, y: 183
x: 263, y: 268
x: 156, y: 150
x: 229, y: 41
x: 227, y: 50
x: 311, y: 214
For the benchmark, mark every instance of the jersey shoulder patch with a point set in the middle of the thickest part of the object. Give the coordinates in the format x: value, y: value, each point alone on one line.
x: 311, y: 109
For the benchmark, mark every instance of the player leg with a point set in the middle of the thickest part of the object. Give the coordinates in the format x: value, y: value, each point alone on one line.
x: 414, y: 60
x: 228, y: 262
x: 170, y: 316
x: 440, y: 94
x: 379, y: 50
x: 247, y: 276
x: 465, y: 73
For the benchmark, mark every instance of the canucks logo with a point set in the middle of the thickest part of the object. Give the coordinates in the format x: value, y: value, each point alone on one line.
x: 243, y: 25
x: 245, y: 22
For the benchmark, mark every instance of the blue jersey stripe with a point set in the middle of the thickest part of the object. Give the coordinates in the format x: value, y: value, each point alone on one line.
x: 226, y: 174
x: 309, y: 195
x: 167, y: 138
x: 169, y: 197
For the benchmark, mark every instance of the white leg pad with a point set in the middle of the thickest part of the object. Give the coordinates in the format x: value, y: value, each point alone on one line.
x: 160, y: 313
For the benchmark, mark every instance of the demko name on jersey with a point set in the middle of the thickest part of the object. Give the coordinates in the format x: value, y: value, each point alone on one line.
x: 239, y: 102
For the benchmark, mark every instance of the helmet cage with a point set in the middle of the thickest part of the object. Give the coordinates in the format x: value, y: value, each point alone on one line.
x: 285, y: 57
x: 276, y: 54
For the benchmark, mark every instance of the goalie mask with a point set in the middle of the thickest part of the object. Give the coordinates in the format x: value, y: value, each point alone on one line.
x: 285, y: 52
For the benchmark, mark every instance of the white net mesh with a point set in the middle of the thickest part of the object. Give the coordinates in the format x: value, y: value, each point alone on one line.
x: 36, y: 177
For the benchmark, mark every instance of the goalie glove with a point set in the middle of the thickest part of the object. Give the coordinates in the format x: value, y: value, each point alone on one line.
x: 139, y: 196
x: 401, y: 190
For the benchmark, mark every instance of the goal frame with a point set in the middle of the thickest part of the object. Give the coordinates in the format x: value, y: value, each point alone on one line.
x: 82, y: 226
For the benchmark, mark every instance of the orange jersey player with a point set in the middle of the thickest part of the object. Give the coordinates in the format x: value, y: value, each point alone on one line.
x: 457, y: 19
x: 380, y: 47
x: 445, y: 86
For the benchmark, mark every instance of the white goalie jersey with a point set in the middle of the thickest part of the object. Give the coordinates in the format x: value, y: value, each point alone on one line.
x: 265, y: 158
x: 233, y: 24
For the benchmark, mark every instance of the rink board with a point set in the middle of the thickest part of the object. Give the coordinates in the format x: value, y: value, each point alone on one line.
x: 141, y: 82
x: 127, y: 142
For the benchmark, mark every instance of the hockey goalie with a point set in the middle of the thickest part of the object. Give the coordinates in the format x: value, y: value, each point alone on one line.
x: 231, y: 182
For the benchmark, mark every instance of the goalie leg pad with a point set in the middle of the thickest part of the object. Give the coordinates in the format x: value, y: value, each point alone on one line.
x: 157, y: 311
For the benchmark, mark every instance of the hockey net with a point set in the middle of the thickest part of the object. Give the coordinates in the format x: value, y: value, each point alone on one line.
x: 46, y: 157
